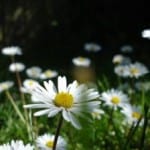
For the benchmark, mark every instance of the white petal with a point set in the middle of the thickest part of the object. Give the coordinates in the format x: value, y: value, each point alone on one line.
x: 66, y: 116
x: 50, y: 87
x: 42, y: 112
x: 54, y: 111
x: 62, y: 84
x: 37, y: 106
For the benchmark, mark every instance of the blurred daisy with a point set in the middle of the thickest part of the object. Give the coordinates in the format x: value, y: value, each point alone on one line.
x: 16, y: 145
x: 132, y: 114
x: 12, y: 50
x: 71, y: 100
x: 97, y: 113
x: 19, y: 67
x: 81, y: 61
x: 142, y: 86
x: 6, y: 85
x: 146, y: 33
x: 120, y: 59
x: 121, y: 70
x: 48, y: 74
x: 126, y: 49
x: 114, y: 98
x: 46, y: 141
x: 34, y: 72
x: 92, y: 47
x: 137, y: 69
x: 28, y: 85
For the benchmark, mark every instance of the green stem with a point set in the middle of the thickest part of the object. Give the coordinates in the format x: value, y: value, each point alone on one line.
x: 15, y: 107
x: 57, y: 132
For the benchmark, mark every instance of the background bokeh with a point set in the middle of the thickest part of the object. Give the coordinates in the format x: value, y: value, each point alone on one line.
x: 51, y: 32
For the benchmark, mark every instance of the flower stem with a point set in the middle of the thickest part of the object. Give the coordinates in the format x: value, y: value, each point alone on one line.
x: 57, y: 132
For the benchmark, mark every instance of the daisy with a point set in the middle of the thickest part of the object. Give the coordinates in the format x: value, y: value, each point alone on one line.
x: 6, y: 85
x: 120, y: 59
x: 146, y: 33
x: 47, y: 74
x: 28, y: 85
x: 114, y: 98
x: 132, y: 114
x: 126, y: 49
x: 92, y: 47
x: 16, y: 145
x: 69, y: 100
x: 19, y: 67
x: 12, y: 50
x: 121, y: 70
x: 97, y: 113
x: 137, y: 69
x: 34, y: 72
x: 46, y: 142
x: 81, y: 61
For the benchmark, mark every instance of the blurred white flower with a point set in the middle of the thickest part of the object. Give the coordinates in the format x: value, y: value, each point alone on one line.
x: 6, y: 85
x: 92, y: 47
x: 12, y: 50
x: 137, y: 69
x: 81, y: 61
x: 71, y: 100
x: 120, y: 59
x: 17, y: 66
x: 126, y: 49
x: 46, y: 141
x: 132, y: 114
x: 47, y: 74
x: 16, y: 145
x: 143, y: 86
x: 97, y: 113
x: 28, y: 85
x: 34, y: 72
x: 114, y: 98
x: 146, y: 33
x: 121, y: 70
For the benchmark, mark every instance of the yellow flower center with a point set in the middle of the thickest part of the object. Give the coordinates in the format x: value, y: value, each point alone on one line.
x: 81, y: 59
x: 48, y: 73
x: 49, y: 144
x: 115, y: 100
x: 63, y: 100
x: 136, y: 115
x: 134, y: 71
x: 31, y: 83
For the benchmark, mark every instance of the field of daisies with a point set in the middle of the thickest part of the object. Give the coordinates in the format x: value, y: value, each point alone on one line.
x: 46, y: 110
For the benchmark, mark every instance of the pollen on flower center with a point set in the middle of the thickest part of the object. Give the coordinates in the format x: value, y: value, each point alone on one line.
x: 63, y: 100
x: 115, y: 100
x: 134, y: 71
x: 136, y: 115
x: 49, y: 144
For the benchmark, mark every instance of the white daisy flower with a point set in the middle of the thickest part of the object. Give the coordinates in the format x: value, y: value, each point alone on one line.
x: 132, y: 114
x: 46, y: 142
x: 114, y: 98
x: 143, y: 86
x: 92, y: 47
x: 28, y: 85
x: 16, y: 67
x: 16, y: 145
x: 6, y: 85
x: 126, y: 49
x: 120, y: 59
x: 81, y: 61
x: 34, y: 72
x: 97, y: 113
x: 121, y: 70
x: 69, y: 100
x: 146, y: 33
x: 137, y: 69
x: 12, y: 50
x: 48, y: 74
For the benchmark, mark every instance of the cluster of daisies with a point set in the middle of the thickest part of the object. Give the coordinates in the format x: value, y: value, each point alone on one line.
x: 72, y: 100
x: 43, y: 142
